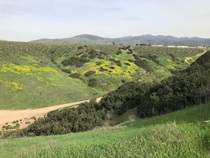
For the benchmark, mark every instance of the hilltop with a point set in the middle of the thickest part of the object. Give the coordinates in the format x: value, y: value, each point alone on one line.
x: 133, y: 40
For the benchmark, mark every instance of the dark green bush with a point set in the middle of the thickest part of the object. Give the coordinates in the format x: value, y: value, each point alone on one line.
x: 89, y: 73
x: 185, y: 88
x: 92, y: 82
x: 75, y: 75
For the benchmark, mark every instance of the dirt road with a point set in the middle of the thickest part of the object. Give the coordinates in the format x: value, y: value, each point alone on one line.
x: 8, y: 116
x: 198, y: 55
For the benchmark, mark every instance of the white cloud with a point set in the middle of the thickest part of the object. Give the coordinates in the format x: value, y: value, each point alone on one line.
x: 112, y: 17
x: 65, y: 1
x: 11, y: 2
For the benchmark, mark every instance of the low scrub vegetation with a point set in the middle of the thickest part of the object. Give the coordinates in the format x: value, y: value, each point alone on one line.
x: 186, y: 88
x: 180, y: 134
x: 55, y: 71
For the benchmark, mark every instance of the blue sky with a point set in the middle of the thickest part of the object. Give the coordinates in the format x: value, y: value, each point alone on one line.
x: 24, y: 20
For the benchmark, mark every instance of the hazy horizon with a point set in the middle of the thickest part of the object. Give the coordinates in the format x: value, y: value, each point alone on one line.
x: 23, y: 20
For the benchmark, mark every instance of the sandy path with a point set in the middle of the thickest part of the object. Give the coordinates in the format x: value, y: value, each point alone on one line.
x: 198, y: 55
x: 8, y: 116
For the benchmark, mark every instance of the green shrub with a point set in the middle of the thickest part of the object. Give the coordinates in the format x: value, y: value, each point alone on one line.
x: 89, y: 73
x: 92, y: 82
x: 75, y: 75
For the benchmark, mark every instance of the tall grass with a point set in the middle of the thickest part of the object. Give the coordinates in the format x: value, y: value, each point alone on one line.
x: 180, y: 134
x: 199, y: 113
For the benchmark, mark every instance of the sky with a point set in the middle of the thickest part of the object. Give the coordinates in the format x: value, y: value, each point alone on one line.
x: 25, y: 20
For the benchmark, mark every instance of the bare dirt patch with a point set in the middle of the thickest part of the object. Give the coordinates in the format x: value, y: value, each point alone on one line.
x: 198, y: 55
x: 25, y: 117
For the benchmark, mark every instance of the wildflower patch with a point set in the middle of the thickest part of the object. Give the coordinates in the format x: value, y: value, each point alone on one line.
x: 26, y: 69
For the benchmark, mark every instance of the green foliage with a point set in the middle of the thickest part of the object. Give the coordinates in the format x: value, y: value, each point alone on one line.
x: 154, y: 99
x: 41, y: 71
x: 162, y: 136
x: 89, y: 73
x: 107, y: 61
x: 75, y: 75
x: 186, y: 88
x: 83, y: 118
x: 116, y: 62
x: 78, y: 62
x: 92, y: 82
x: 28, y: 71
x: 123, y: 99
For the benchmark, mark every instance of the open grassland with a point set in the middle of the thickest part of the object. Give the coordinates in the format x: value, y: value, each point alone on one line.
x: 180, y: 134
x: 41, y: 75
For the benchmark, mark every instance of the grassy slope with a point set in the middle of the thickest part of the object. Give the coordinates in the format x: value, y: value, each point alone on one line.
x: 31, y: 75
x: 180, y: 134
x: 27, y: 85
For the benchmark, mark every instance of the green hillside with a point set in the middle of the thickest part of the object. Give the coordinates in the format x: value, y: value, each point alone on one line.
x: 184, y: 133
x: 180, y: 134
x: 39, y: 75
x: 185, y: 88
x: 28, y: 79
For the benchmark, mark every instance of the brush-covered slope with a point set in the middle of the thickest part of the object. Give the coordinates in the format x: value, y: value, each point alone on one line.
x: 29, y: 79
x: 185, y: 88
x: 188, y: 87
x: 38, y: 75
x: 180, y: 134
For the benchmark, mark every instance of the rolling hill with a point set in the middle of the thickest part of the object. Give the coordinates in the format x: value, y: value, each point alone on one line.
x: 133, y: 40
x: 31, y: 73
x: 184, y: 133
x: 185, y: 88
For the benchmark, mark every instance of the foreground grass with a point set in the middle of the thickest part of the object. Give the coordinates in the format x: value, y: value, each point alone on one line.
x: 180, y: 134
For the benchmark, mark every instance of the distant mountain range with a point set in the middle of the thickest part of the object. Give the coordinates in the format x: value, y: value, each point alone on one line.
x: 143, y: 39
